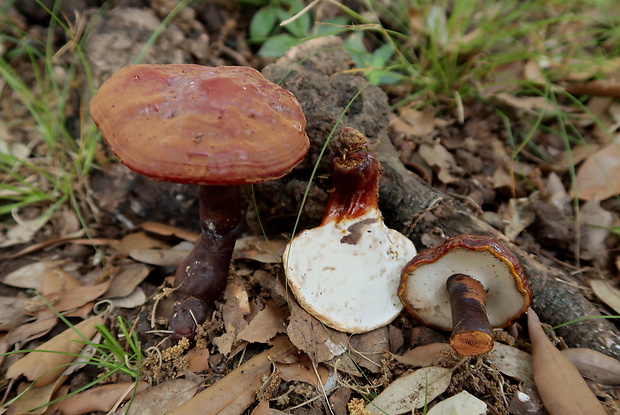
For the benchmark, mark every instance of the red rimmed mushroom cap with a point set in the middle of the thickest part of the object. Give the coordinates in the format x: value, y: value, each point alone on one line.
x: 423, y: 281
x: 203, y: 125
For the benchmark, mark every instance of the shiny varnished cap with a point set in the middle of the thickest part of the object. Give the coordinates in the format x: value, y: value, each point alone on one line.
x: 203, y: 125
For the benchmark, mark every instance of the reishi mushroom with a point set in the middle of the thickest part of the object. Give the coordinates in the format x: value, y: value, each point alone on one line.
x: 346, y: 271
x: 469, y: 285
x: 216, y: 127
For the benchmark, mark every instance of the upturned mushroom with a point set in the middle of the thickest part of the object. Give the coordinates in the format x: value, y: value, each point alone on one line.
x: 346, y: 271
x: 469, y: 285
x: 217, y: 127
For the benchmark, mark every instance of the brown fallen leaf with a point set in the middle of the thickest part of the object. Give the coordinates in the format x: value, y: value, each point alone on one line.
x: 265, y: 325
x: 411, y: 391
x: 12, y: 312
x: 423, y: 356
x: 367, y: 348
x: 79, y: 296
x: 125, y: 281
x: 161, y: 399
x: 560, y: 385
x: 597, y: 177
x: 103, y: 398
x: 302, y: 371
x: 260, y: 250
x: 595, y: 365
x: 236, y: 391
x: 34, y: 397
x: 169, y: 230
x: 606, y: 291
x: 197, y: 359
x: 46, y: 363
x: 514, y: 363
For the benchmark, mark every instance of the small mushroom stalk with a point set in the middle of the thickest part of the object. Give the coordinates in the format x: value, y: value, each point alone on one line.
x: 468, y: 285
x: 346, y: 271
x: 202, y: 276
x: 471, y: 331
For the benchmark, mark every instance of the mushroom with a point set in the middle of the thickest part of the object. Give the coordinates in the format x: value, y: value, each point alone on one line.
x: 346, y: 271
x: 217, y: 127
x: 469, y: 284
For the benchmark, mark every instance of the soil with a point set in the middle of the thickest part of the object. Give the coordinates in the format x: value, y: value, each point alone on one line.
x: 440, y: 180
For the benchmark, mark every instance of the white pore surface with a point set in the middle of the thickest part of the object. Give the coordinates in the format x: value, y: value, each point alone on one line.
x: 427, y: 296
x: 351, y: 287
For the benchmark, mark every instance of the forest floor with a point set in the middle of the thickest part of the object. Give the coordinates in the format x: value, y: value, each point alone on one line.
x: 524, y: 148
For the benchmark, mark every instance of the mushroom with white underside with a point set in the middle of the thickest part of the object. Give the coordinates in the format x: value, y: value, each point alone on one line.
x: 346, y: 271
x: 469, y: 285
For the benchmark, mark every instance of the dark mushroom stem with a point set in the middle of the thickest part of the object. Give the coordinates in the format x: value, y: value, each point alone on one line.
x: 202, y: 276
x: 472, y: 333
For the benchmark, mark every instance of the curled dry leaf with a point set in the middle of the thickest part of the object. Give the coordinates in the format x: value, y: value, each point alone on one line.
x: 33, y: 401
x: 12, y: 312
x: 302, y: 371
x: 102, y: 398
x: 169, y: 230
x: 560, y: 385
x: 597, y: 178
x: 411, y: 391
x: 45, y: 364
x: 161, y: 399
x: 595, y: 365
x: 463, y: 403
x: 514, y: 363
x: 125, y: 281
x: 260, y: 250
x: 237, y: 390
x: 265, y: 325
x: 423, y: 356
x: 608, y: 294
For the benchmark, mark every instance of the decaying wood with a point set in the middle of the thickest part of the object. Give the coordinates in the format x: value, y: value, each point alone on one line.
x: 317, y: 72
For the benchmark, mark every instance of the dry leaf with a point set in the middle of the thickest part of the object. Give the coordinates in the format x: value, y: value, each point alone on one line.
x: 80, y: 296
x: 595, y: 365
x: 35, y: 398
x: 30, y: 331
x: 410, y: 391
x: 162, y: 257
x: 518, y: 216
x: 12, y: 312
x: 197, y: 359
x: 594, y: 225
x: 24, y: 230
x: 265, y: 325
x: 463, y: 403
x: 135, y: 299
x: 608, y: 294
x: 440, y: 159
x: 161, y: 399
x: 560, y: 385
x: 138, y: 241
x: 232, y: 394
x: 126, y: 280
x: 101, y: 398
x: 169, y: 230
x: 260, y: 250
x: 597, y: 177
x: 368, y: 348
x: 261, y: 409
x: 29, y: 276
x: 310, y: 336
x: 302, y: 371
x: 45, y: 364
x: 423, y: 356
x: 514, y: 363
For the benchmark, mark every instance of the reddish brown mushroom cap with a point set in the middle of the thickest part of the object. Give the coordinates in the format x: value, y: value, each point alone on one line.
x: 201, y: 125
x: 423, y: 280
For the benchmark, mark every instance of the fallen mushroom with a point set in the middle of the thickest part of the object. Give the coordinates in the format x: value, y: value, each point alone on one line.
x: 469, y: 284
x: 217, y: 127
x: 346, y: 271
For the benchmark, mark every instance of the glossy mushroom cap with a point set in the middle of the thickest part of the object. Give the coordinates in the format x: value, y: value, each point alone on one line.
x: 423, y: 281
x: 203, y: 125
